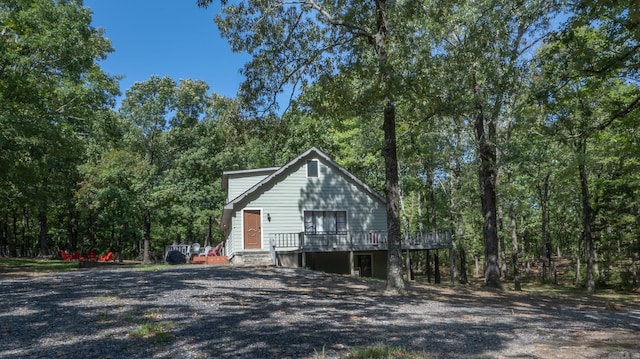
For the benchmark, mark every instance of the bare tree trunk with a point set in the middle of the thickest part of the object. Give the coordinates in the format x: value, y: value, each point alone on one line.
x: 586, y: 218
x: 514, y: 251
x: 405, y: 224
x: 546, y: 233
x: 147, y: 236
x: 44, y: 231
x: 395, y: 282
x: 486, y: 154
x: 13, y: 245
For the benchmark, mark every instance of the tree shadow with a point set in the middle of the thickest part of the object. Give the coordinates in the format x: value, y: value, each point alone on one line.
x: 243, y: 312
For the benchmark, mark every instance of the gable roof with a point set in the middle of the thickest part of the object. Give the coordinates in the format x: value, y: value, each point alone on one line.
x: 229, y: 207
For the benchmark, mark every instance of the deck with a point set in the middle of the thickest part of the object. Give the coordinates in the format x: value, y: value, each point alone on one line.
x: 356, y: 241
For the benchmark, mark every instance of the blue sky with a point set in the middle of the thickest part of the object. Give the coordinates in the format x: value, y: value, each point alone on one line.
x: 166, y: 38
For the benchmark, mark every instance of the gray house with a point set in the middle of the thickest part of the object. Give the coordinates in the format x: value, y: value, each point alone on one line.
x: 310, y: 213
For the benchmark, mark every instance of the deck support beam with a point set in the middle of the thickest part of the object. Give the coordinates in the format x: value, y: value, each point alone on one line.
x: 409, y: 272
x: 352, y: 265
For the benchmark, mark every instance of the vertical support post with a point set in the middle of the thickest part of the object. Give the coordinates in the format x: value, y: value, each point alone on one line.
x: 352, y: 263
x: 436, y: 265
x: 304, y: 259
x: 409, y: 272
x: 452, y: 266
x: 428, y: 265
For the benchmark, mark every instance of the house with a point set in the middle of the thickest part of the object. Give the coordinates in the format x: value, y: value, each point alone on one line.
x: 311, y: 213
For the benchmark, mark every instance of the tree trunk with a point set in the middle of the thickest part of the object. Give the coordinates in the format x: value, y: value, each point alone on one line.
x: 514, y: 251
x: 546, y: 233
x: 147, y: 236
x: 486, y: 154
x: 586, y: 218
x: 44, y: 232
x: 13, y: 245
x: 395, y: 282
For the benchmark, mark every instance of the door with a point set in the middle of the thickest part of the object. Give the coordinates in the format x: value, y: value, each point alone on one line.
x: 252, y: 229
x: 363, y: 261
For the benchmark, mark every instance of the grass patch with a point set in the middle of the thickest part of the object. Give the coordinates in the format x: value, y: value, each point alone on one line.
x: 157, y: 333
x: 102, y: 317
x: 36, y: 265
x: 572, y: 292
x: 151, y: 267
x: 380, y: 351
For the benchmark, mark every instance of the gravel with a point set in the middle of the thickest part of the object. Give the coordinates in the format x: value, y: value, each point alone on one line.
x: 249, y: 312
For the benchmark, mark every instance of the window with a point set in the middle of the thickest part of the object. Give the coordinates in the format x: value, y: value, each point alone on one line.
x: 325, y: 222
x: 312, y: 168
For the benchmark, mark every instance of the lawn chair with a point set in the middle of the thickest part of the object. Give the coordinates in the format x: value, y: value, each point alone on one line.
x: 92, y: 256
x: 65, y: 256
x: 216, y: 251
x: 76, y: 256
x: 106, y: 258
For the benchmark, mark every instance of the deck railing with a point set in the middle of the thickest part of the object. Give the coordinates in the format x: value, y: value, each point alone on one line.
x: 356, y: 240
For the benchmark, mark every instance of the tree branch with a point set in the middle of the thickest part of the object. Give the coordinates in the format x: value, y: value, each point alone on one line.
x: 358, y: 31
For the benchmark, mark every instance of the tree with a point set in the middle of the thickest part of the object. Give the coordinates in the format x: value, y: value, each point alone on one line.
x: 484, y: 49
x: 50, y: 89
x: 147, y: 106
x: 294, y: 43
x: 580, y: 106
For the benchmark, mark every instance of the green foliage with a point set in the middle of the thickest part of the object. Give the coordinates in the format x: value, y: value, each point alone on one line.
x: 35, y: 265
x: 381, y: 351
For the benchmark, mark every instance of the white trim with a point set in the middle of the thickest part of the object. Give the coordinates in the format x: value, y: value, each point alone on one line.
x: 242, y: 228
x: 306, y: 167
x: 346, y: 218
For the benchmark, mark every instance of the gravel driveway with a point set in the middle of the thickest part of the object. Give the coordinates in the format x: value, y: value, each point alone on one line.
x: 244, y: 312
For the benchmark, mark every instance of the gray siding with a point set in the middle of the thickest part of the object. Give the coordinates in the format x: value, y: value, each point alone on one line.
x: 240, y: 184
x: 286, y: 199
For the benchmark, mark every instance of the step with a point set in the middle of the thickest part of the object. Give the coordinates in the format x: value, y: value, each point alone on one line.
x: 260, y: 258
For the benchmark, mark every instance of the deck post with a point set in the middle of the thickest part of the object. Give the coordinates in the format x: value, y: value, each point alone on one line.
x: 428, y: 265
x: 436, y: 265
x: 409, y: 273
x: 452, y: 266
x: 351, y: 263
x: 304, y: 259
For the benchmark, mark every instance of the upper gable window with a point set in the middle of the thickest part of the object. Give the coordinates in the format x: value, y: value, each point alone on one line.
x: 312, y: 168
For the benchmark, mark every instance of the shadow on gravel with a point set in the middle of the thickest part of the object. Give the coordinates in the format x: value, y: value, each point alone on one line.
x: 240, y: 312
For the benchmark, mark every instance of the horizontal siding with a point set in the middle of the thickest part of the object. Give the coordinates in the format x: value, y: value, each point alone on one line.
x: 239, y: 185
x: 287, y: 199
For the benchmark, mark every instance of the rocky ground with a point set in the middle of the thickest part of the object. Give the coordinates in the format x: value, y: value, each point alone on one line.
x: 244, y: 312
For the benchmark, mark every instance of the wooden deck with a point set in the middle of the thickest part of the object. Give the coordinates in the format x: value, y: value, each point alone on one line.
x: 357, y: 241
x: 209, y: 260
x: 193, y: 257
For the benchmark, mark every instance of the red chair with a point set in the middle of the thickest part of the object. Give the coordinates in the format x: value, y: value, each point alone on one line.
x: 65, y: 256
x: 92, y: 255
x: 216, y: 251
x: 76, y: 256
x: 106, y: 258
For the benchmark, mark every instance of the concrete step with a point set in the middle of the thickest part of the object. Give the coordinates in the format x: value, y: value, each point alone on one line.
x: 254, y: 258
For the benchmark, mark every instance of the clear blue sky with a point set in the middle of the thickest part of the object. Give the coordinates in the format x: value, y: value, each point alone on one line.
x: 166, y: 38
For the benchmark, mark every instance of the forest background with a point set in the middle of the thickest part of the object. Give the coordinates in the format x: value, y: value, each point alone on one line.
x: 515, y: 129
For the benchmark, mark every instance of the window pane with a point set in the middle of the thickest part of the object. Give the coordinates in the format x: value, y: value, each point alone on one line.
x: 319, y: 222
x: 330, y: 222
x: 341, y: 221
x: 309, y: 225
x: 312, y: 168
